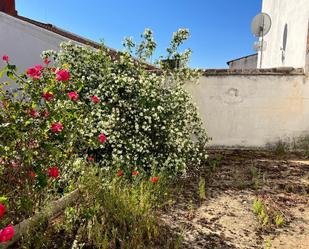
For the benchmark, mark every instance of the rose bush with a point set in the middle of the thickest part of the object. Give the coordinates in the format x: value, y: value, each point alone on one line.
x: 41, y: 126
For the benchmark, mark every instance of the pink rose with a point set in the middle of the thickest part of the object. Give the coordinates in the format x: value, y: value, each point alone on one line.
x: 38, y: 67
x: 34, y: 73
x: 7, y: 233
x: 2, y: 210
x: 53, y: 172
x: 62, y: 75
x: 45, y: 114
x: 102, y: 138
x: 33, y: 113
x: 73, y: 96
x: 48, y: 96
x: 95, y: 99
x: 46, y: 61
x: 5, y: 58
x: 56, y: 127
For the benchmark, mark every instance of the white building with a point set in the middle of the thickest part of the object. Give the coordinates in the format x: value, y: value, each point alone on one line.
x: 24, y: 39
x: 287, y: 39
x: 286, y: 42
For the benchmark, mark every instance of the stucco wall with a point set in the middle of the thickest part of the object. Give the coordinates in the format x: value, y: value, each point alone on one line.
x: 24, y: 42
x: 295, y: 15
x: 252, y: 110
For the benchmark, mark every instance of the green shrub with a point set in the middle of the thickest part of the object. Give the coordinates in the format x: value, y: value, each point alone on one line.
x: 84, y: 103
x: 149, y: 118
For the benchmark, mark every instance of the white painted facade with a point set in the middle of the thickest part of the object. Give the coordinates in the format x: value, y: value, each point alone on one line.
x: 24, y: 42
x: 292, y: 15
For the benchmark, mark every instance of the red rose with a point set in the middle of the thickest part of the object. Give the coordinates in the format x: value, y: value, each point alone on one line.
x: 7, y: 233
x: 2, y: 210
x: 5, y: 58
x: 102, y: 138
x: 73, y: 96
x: 90, y: 158
x: 134, y: 173
x: 53, y: 172
x: 154, y: 179
x: 62, y: 75
x: 32, y: 174
x: 48, y: 96
x: 46, y: 61
x: 33, y: 113
x: 34, y: 73
x: 56, y: 127
x: 120, y: 173
x: 45, y: 114
x: 95, y: 99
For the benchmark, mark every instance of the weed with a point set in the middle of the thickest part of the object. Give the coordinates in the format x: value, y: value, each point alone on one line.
x: 268, y: 243
x: 281, y: 148
x: 279, y: 220
x: 268, y: 213
x: 119, y: 213
x: 255, y: 177
x: 202, y: 188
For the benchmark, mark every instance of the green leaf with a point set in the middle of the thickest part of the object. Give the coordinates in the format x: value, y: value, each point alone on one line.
x: 4, y: 200
x: 3, y: 71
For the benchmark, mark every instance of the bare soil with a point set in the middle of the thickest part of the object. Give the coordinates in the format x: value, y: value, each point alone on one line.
x: 225, y: 219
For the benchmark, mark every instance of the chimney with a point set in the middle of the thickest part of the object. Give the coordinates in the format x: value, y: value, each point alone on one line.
x: 8, y: 7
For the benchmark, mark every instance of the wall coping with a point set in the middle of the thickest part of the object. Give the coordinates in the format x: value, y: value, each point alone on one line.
x: 251, y: 72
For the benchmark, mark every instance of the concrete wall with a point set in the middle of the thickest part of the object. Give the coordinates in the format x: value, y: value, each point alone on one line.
x: 248, y: 62
x: 294, y: 15
x: 252, y: 109
x: 24, y: 42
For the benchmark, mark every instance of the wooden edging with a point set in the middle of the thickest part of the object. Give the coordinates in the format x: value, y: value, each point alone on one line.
x: 31, y: 224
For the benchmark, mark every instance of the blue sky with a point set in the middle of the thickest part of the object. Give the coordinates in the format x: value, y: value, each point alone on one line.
x: 220, y: 29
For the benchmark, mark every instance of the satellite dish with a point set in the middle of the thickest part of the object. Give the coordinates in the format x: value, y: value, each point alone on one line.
x: 261, y: 25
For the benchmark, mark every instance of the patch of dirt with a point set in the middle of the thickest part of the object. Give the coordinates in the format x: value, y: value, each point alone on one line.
x: 225, y: 219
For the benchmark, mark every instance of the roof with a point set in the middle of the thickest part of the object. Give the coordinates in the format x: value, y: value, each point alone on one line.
x: 241, y: 58
x: 71, y: 36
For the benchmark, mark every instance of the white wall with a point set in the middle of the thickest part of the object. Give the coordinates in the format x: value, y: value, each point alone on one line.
x: 24, y: 42
x: 294, y: 13
x: 252, y: 111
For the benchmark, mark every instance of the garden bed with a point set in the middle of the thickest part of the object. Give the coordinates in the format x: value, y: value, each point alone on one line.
x: 225, y: 219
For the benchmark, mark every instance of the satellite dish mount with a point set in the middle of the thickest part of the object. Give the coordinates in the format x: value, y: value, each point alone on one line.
x: 260, y: 27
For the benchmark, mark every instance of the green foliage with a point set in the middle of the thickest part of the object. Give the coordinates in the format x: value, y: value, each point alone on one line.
x: 149, y: 117
x: 202, y: 188
x: 267, y: 215
x: 117, y: 213
x: 279, y: 220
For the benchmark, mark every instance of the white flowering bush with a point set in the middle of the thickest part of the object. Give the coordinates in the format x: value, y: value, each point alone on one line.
x: 148, y: 117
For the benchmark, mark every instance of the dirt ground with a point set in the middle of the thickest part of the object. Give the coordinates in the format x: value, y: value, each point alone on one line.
x: 225, y: 218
